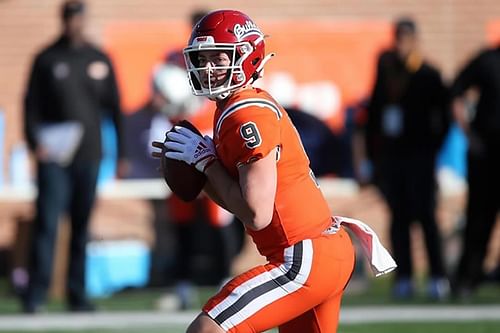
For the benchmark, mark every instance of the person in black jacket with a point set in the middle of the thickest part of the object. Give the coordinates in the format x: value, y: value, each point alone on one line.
x: 71, y: 87
x: 407, y: 122
x: 481, y: 123
x: 319, y: 142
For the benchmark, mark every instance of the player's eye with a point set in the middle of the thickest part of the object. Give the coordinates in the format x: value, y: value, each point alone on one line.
x: 218, y: 62
x: 202, y: 61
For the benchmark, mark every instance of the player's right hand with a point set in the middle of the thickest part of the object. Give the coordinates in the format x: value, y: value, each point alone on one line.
x: 184, y: 145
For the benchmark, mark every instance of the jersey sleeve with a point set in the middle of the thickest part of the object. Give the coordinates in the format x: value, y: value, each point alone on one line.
x: 249, y: 135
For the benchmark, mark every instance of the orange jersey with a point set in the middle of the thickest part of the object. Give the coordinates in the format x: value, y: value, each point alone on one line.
x: 249, y: 126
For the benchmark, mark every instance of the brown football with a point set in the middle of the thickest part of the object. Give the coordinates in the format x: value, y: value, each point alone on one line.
x: 183, y: 179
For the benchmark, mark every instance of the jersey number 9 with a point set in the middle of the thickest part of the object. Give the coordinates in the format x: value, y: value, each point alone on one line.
x: 250, y: 134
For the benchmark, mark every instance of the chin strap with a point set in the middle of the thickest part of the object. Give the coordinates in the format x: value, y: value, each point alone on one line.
x: 259, y: 72
x: 221, y: 96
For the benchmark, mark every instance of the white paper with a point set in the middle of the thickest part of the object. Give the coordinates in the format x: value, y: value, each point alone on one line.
x: 392, y: 121
x: 60, y: 140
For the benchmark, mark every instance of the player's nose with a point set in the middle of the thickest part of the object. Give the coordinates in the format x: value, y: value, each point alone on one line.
x: 209, y: 67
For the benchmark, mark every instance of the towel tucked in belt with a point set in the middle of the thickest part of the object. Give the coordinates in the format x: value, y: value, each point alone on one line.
x: 380, y: 260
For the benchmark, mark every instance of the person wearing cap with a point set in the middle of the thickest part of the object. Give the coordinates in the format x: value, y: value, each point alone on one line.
x: 71, y: 87
x: 407, y: 121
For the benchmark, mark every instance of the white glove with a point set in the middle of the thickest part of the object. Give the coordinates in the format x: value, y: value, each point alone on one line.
x: 185, y: 145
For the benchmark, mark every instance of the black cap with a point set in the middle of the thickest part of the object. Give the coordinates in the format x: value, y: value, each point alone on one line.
x: 404, y: 26
x: 71, y: 8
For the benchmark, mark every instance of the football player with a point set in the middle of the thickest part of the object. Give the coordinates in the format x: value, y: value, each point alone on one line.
x: 257, y: 169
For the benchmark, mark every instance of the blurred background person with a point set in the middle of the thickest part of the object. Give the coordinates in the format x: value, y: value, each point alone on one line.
x: 327, y: 152
x: 407, y: 122
x: 476, y: 104
x: 362, y: 166
x: 71, y: 87
x: 170, y: 101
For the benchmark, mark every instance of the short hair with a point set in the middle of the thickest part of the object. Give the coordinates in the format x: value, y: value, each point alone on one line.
x: 405, y: 26
x: 71, y: 8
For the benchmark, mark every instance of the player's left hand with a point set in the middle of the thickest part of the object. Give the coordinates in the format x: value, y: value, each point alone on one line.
x: 185, y: 145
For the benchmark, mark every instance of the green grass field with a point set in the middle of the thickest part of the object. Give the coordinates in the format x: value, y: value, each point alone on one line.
x: 475, y: 327
x: 377, y: 293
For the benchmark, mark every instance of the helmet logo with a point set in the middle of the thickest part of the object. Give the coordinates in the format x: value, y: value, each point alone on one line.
x: 200, y: 40
x: 249, y: 28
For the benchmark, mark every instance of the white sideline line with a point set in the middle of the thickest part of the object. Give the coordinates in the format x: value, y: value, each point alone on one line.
x: 349, y: 315
x: 99, y: 320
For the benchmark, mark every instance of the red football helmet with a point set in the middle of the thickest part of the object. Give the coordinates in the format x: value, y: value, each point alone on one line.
x: 236, y: 34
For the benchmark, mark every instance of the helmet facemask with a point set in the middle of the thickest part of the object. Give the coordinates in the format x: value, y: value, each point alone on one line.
x: 235, y: 76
